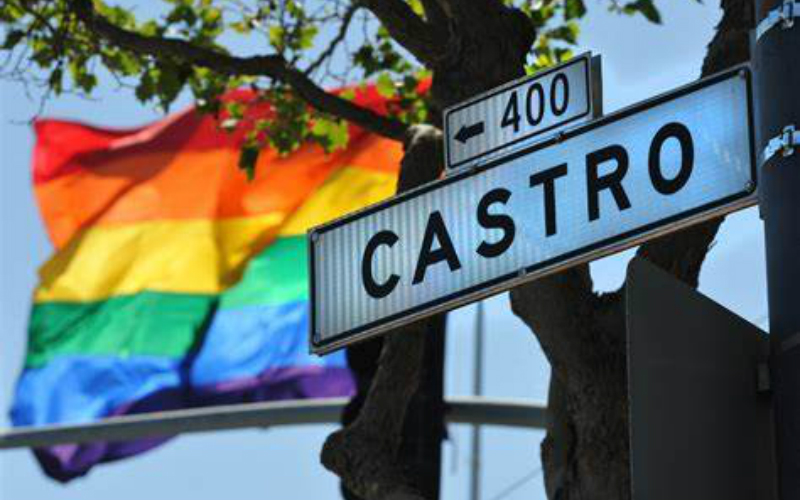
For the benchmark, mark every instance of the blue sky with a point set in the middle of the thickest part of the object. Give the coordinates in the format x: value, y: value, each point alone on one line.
x: 640, y: 60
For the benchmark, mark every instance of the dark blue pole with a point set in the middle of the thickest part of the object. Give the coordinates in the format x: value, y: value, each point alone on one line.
x: 776, y: 60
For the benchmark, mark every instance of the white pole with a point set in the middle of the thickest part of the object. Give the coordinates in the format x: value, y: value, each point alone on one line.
x: 477, y: 390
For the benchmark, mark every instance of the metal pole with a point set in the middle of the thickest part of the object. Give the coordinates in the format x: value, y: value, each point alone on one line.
x: 458, y: 410
x: 477, y: 390
x: 776, y: 60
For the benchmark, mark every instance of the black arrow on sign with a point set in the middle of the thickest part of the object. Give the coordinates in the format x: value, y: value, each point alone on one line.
x: 466, y: 133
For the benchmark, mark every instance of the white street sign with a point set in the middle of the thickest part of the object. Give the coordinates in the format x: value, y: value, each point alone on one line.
x: 642, y: 172
x: 511, y: 115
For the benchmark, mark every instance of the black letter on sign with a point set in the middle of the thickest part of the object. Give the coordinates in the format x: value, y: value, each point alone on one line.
x: 428, y: 257
x: 684, y: 137
x: 497, y: 221
x: 612, y: 181
x: 377, y: 290
x: 558, y: 111
x: 548, y: 178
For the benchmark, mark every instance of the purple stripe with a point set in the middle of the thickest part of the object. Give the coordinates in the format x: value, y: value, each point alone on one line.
x: 66, y: 462
x: 280, y: 384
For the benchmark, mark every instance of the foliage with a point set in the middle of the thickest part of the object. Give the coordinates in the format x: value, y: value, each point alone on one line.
x: 333, y: 42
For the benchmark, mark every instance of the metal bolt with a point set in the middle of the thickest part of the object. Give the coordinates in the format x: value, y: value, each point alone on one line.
x: 750, y: 186
x: 788, y: 140
x: 787, y: 14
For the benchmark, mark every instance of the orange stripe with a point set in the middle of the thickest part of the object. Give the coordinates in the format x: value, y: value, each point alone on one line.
x: 189, y: 184
x: 203, y: 256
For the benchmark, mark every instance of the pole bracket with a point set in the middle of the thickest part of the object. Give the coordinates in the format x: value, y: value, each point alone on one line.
x: 784, y: 16
x: 786, y: 143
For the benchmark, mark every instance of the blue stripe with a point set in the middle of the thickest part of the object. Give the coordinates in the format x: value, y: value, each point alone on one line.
x: 244, y: 342
x: 240, y: 343
x: 79, y: 389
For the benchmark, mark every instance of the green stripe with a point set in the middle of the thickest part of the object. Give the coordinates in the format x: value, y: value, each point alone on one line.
x: 162, y: 324
x: 277, y: 275
x: 149, y: 324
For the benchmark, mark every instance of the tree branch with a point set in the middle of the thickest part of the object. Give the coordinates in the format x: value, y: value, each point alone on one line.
x: 409, y: 30
x: 560, y: 310
x: 346, y: 20
x: 682, y: 254
x: 272, y: 66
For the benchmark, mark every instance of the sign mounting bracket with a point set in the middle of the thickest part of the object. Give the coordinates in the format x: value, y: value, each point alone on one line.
x: 786, y: 143
x: 784, y: 15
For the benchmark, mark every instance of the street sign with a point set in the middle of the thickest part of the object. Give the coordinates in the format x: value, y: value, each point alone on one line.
x: 642, y: 172
x: 489, y: 124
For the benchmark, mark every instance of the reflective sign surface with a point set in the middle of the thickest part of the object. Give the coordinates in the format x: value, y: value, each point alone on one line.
x: 519, y: 111
x: 646, y: 170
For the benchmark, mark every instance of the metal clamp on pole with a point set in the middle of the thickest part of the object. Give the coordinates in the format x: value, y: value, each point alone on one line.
x: 783, y: 15
x: 784, y: 144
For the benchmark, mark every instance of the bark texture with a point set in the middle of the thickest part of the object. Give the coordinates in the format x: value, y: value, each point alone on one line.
x: 390, y: 447
x: 585, y: 453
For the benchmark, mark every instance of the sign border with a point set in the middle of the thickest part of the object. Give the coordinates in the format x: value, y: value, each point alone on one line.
x: 740, y: 200
x: 591, y: 104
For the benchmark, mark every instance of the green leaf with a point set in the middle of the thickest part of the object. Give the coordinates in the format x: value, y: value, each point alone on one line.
x: 574, y: 9
x: 385, y: 86
x: 276, y: 34
x: 248, y: 157
x: 242, y: 27
x: 55, y: 79
x: 307, y: 35
x: 567, y: 33
x: 416, y: 6
x: 339, y: 135
x: 235, y: 109
x: 147, y: 86
x: 170, y: 83
x: 332, y: 134
x: 12, y: 39
x: 647, y: 8
x: 212, y: 16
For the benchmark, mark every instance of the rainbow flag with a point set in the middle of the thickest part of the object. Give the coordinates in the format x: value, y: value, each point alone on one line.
x: 176, y: 282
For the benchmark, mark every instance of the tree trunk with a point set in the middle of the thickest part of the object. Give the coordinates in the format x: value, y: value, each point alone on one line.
x: 585, y: 454
x: 390, y: 445
x: 420, y: 447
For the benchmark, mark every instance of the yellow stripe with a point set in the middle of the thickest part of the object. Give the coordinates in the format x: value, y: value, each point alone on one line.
x: 191, y: 256
x: 166, y: 256
x: 347, y: 190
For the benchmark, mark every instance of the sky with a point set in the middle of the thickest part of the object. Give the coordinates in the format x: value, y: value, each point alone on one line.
x: 640, y: 60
